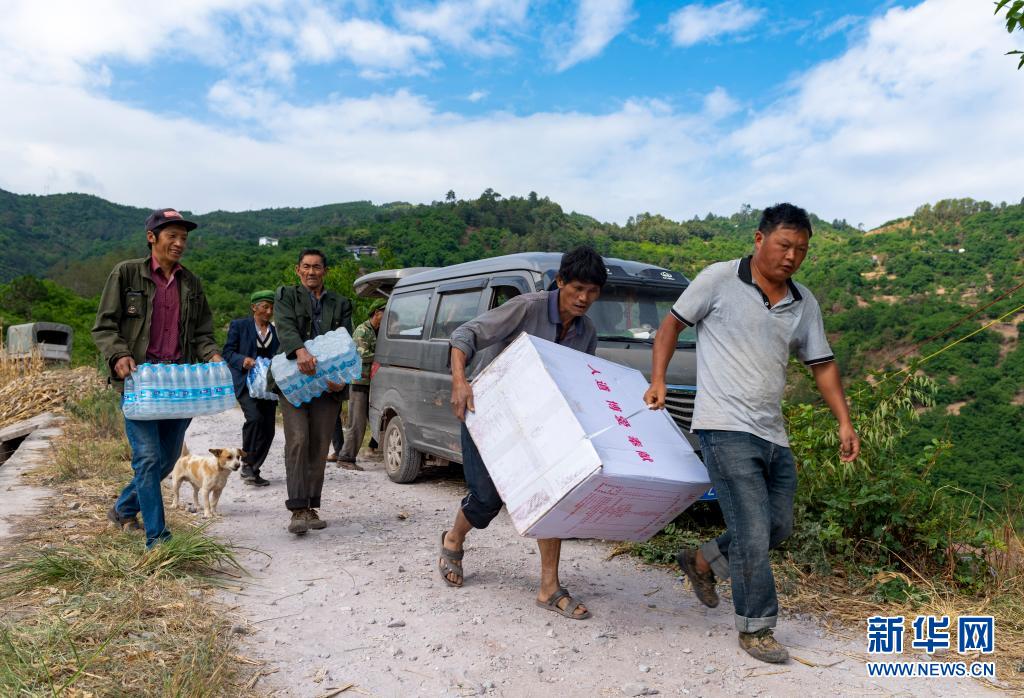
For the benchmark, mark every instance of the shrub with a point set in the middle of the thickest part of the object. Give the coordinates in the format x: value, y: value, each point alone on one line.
x: 880, y: 511
x: 100, y: 409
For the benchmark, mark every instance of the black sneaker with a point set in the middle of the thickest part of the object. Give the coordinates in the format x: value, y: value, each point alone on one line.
x: 131, y: 522
x: 259, y: 481
x: 247, y: 474
x: 703, y: 584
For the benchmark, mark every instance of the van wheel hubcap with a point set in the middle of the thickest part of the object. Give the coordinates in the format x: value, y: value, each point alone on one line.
x: 394, y: 450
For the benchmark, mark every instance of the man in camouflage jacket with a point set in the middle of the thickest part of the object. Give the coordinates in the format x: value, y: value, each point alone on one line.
x: 365, y: 338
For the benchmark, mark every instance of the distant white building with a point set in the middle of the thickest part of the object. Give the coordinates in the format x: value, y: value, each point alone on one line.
x: 358, y: 251
x: 265, y: 241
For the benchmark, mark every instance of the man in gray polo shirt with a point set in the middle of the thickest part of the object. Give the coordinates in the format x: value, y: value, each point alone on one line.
x: 750, y: 316
x: 558, y: 316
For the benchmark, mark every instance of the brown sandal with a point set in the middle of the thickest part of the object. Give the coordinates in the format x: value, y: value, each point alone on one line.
x: 450, y: 562
x: 570, y: 608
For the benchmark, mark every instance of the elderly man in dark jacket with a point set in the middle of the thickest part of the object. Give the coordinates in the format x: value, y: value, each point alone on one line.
x: 303, y: 312
x: 252, y: 338
x: 153, y: 310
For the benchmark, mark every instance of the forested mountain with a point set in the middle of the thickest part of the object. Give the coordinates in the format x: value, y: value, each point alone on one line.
x: 39, y: 232
x: 892, y: 296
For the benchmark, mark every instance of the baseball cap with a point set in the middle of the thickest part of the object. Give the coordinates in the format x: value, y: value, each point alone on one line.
x: 166, y: 216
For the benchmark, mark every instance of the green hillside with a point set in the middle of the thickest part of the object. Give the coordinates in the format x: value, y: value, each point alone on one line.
x: 891, y: 296
x: 38, y: 233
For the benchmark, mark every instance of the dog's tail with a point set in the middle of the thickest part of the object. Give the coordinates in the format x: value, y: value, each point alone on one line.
x: 184, y: 450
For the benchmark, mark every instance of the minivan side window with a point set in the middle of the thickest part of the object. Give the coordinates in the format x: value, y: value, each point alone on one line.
x: 406, y: 315
x: 503, y: 294
x: 454, y: 309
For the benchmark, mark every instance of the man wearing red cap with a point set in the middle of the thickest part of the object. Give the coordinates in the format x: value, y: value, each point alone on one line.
x: 153, y: 310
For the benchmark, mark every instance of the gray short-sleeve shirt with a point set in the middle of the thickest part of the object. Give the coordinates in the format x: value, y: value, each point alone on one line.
x: 743, y: 346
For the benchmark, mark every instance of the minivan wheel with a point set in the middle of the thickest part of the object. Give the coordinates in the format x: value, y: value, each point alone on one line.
x: 402, y: 461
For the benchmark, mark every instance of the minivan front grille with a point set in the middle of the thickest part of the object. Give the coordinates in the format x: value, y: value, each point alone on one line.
x: 679, y: 403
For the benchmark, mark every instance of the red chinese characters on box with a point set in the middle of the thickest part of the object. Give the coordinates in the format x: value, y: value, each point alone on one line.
x: 572, y: 460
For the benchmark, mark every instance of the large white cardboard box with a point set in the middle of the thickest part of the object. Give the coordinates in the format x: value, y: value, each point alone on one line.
x: 572, y: 448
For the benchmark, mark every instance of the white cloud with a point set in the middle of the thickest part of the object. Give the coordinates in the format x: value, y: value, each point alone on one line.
x: 923, y: 105
x: 718, y: 104
x: 279, y: 65
x: 370, y: 45
x: 839, y: 26
x: 71, y: 42
x: 477, y: 96
x: 597, y: 23
x: 695, y: 23
x: 460, y: 23
x: 62, y: 40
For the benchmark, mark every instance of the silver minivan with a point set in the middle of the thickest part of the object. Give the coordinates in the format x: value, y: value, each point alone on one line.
x: 410, y: 415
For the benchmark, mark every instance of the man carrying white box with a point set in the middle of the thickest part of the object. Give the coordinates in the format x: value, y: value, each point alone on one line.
x: 559, y: 316
x: 749, y: 316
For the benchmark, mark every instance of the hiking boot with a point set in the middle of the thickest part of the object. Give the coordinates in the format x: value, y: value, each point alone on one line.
x: 298, y: 524
x: 703, y: 584
x: 131, y: 523
x: 762, y: 645
x: 333, y: 458
x: 348, y: 464
x: 259, y: 481
x: 313, y: 520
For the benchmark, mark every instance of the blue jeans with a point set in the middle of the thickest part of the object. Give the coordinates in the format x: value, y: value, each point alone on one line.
x: 755, y: 481
x: 483, y: 503
x: 156, y: 445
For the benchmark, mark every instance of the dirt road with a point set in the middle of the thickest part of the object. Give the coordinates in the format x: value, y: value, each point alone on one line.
x: 361, y: 603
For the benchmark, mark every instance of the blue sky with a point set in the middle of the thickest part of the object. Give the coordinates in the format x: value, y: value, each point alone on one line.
x: 526, y: 77
x: 856, y: 110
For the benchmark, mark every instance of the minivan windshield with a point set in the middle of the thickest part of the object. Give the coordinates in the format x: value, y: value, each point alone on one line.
x: 634, y: 312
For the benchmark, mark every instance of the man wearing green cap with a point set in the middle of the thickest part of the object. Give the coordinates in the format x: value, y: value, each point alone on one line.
x: 365, y: 338
x: 251, y: 338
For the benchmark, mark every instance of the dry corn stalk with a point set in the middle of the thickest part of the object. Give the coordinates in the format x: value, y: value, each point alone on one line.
x: 35, y: 391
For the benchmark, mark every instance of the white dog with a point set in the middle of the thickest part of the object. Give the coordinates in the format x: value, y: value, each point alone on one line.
x: 206, y: 474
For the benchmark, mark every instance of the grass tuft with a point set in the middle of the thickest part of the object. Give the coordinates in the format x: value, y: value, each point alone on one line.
x: 190, y: 553
x: 86, y: 610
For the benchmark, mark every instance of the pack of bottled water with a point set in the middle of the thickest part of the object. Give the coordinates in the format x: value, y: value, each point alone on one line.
x: 176, y: 391
x: 336, y: 361
x: 256, y: 379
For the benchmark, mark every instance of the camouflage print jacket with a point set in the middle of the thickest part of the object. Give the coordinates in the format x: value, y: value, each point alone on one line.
x: 365, y: 338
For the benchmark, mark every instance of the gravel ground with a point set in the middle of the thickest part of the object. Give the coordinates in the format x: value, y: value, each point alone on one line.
x: 361, y: 603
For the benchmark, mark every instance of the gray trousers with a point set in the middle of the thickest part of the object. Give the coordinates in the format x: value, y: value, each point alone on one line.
x: 307, y: 437
x: 358, y: 416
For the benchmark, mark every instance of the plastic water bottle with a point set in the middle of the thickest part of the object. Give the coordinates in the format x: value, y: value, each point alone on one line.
x: 168, y: 411
x: 144, y: 383
x: 129, y: 402
x: 192, y: 387
x: 159, y: 391
x: 225, y: 386
x: 205, y: 385
x: 179, y: 401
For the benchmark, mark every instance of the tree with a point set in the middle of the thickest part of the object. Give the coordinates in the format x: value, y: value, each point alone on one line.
x: 22, y: 293
x: 1014, y: 22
